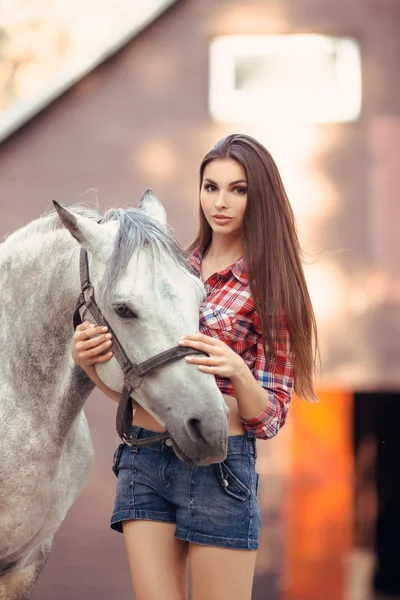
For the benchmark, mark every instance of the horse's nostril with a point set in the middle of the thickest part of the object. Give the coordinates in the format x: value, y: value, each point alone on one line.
x: 193, y: 427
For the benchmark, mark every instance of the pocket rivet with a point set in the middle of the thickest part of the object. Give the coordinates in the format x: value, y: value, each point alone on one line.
x: 226, y: 483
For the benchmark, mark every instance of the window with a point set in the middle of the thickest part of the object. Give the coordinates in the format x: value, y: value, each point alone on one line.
x: 307, y: 78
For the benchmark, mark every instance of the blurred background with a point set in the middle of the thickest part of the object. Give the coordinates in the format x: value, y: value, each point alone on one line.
x: 100, y: 100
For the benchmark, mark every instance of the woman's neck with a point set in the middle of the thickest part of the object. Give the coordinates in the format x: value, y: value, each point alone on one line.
x: 223, y: 249
x: 220, y: 254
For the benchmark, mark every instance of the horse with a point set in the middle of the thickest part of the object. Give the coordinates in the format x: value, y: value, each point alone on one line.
x: 150, y: 297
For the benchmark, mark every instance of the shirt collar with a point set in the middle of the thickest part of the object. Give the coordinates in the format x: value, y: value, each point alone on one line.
x: 238, y: 269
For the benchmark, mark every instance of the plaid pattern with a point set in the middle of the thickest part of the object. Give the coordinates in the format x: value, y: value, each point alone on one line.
x: 228, y: 313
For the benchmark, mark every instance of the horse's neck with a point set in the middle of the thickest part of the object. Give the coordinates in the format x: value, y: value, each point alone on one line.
x: 39, y: 279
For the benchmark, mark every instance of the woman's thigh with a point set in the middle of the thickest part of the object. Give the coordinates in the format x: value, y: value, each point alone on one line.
x: 157, y: 561
x: 221, y: 573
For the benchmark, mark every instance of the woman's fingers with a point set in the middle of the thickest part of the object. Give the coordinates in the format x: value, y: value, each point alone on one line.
x: 199, y: 337
x: 89, y: 353
x: 91, y: 337
x: 203, y: 360
x: 102, y: 358
x: 89, y: 357
x: 86, y: 331
x: 91, y: 344
x: 96, y: 342
x: 84, y: 325
x: 203, y: 346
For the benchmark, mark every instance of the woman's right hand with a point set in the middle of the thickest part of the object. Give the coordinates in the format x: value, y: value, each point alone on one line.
x: 90, y: 345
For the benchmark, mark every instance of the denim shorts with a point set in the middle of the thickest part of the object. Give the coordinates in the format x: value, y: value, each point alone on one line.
x: 215, y: 505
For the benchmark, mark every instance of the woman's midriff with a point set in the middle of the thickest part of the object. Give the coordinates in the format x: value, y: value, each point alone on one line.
x: 143, y: 419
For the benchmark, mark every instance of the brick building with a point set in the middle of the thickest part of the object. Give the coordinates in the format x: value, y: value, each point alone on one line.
x: 146, y: 116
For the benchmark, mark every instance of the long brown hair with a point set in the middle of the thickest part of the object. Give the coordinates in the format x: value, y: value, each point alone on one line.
x: 273, y: 255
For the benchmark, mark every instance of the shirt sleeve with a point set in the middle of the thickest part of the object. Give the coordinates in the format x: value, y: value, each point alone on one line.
x: 275, y: 375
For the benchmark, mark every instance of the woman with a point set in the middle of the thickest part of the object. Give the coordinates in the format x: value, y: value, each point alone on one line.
x: 258, y: 329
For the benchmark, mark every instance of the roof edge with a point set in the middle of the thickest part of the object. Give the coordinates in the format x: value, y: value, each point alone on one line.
x: 22, y: 112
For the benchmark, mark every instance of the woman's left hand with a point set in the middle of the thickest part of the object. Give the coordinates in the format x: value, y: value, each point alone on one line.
x: 221, y: 359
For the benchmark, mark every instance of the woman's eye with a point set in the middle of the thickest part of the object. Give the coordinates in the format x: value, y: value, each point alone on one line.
x: 124, y: 312
x: 241, y: 191
x: 210, y: 188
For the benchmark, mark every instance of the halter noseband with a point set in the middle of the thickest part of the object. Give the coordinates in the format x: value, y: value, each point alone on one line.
x: 133, y: 372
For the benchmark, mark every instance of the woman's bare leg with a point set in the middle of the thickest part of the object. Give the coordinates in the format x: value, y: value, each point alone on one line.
x: 157, y: 561
x: 221, y: 573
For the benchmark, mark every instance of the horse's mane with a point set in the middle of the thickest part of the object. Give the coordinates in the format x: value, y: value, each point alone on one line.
x: 136, y: 230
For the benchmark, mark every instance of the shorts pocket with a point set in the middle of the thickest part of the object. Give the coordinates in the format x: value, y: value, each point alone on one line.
x: 231, y: 484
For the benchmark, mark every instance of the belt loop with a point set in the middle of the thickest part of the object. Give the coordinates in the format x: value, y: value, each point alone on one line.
x: 251, y: 443
x: 135, y: 435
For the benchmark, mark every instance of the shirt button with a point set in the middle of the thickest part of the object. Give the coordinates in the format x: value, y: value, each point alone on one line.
x: 168, y: 442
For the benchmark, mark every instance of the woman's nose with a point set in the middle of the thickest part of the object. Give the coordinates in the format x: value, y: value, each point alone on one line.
x: 221, y: 201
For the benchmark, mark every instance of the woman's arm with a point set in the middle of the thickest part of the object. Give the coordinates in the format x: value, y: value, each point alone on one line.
x: 90, y: 346
x: 252, y: 399
x: 272, y: 397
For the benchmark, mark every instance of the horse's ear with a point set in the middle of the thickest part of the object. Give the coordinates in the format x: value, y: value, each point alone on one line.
x: 87, y: 232
x: 150, y: 204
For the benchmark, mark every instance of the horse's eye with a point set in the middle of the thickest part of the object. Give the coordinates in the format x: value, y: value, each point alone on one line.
x: 124, y: 312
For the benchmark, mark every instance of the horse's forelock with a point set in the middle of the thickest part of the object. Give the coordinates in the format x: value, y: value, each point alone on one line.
x: 138, y: 230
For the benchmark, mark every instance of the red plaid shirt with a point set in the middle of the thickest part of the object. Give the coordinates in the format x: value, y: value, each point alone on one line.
x: 228, y: 313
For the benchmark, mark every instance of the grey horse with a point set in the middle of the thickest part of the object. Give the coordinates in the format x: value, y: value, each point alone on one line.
x: 46, y: 452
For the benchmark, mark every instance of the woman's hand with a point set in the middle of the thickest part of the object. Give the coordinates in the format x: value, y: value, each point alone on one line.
x: 90, y: 345
x: 221, y: 360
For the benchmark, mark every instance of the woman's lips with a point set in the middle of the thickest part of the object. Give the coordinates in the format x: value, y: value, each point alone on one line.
x: 222, y: 220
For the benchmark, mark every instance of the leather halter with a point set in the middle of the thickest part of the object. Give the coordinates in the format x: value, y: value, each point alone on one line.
x: 133, y: 372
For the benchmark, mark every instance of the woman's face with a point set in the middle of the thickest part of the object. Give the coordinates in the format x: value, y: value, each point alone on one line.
x: 223, y: 195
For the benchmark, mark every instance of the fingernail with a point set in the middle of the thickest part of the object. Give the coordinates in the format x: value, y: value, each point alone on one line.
x: 105, y: 329
x: 92, y: 325
x: 108, y: 336
x: 181, y: 341
x: 108, y: 343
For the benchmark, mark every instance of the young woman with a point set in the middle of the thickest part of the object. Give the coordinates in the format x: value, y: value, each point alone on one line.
x: 258, y: 329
